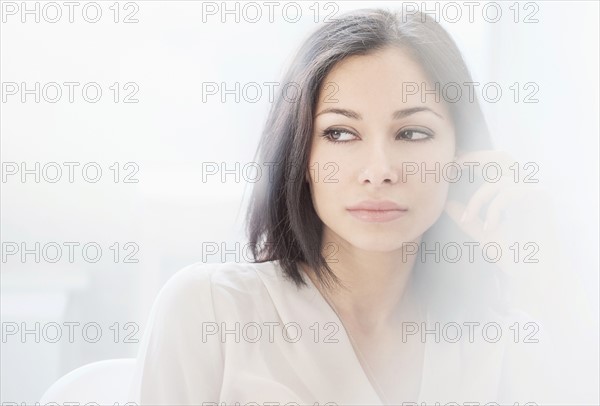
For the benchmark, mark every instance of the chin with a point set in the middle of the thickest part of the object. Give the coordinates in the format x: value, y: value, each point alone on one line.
x: 377, y: 241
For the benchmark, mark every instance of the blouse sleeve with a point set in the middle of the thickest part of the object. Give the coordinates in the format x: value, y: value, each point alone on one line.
x: 176, y: 365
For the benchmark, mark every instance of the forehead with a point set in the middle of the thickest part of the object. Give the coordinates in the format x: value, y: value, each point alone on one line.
x: 383, y: 78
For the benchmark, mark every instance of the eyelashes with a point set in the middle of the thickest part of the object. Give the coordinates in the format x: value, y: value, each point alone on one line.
x: 407, y: 134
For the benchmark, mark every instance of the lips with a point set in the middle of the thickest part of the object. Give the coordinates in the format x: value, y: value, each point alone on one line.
x: 377, y: 205
x: 377, y: 211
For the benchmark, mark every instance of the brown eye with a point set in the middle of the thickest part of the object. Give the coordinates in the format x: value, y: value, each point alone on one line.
x: 414, y: 135
x: 337, y: 135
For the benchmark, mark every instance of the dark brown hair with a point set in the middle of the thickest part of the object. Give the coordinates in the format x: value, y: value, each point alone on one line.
x: 282, y: 223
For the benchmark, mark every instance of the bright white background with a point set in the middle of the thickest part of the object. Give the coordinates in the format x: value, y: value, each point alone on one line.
x: 170, y: 132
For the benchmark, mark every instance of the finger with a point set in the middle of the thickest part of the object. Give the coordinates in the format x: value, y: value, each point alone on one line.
x: 496, y: 208
x: 455, y: 211
x: 517, y: 198
x: 483, y: 195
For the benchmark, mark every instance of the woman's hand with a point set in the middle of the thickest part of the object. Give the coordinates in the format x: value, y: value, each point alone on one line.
x: 542, y: 284
x: 512, y: 192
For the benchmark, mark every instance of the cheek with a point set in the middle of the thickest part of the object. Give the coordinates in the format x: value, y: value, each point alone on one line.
x: 330, y: 180
x: 326, y: 186
x: 431, y: 193
x: 427, y: 200
x: 429, y: 188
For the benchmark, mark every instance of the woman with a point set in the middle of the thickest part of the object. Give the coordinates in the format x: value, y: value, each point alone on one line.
x: 341, y: 304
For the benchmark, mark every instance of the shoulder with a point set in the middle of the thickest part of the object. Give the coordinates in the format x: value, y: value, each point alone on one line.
x: 203, y: 286
x: 219, y: 276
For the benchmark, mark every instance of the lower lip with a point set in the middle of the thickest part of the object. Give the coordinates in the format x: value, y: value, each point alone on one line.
x: 377, y: 216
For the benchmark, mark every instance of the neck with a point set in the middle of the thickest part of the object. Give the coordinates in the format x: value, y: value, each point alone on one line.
x: 375, y: 285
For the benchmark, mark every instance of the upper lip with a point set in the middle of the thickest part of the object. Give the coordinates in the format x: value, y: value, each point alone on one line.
x: 377, y: 205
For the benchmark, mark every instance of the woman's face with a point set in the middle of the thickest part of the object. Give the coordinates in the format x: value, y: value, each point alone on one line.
x: 379, y: 136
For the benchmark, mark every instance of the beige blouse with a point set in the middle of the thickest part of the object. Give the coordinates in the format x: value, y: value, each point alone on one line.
x: 242, y: 332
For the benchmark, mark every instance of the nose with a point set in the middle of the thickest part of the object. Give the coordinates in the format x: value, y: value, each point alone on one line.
x: 380, y: 166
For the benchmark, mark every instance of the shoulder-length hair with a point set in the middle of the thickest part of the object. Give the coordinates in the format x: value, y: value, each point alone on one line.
x: 282, y: 224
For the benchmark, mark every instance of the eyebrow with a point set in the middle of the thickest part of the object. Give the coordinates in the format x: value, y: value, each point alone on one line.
x: 396, y: 115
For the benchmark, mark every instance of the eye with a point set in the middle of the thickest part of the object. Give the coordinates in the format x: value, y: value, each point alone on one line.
x: 414, y: 134
x: 334, y: 135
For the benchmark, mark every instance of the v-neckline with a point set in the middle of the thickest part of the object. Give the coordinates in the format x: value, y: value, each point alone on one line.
x: 348, y: 342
